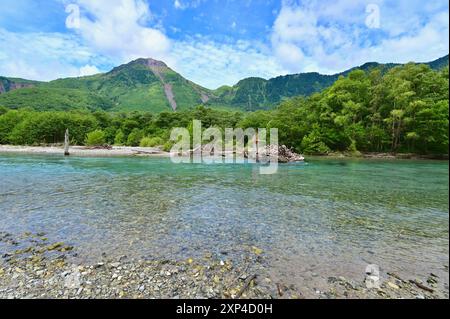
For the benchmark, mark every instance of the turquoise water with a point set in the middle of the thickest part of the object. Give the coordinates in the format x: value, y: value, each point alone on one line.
x: 313, y: 220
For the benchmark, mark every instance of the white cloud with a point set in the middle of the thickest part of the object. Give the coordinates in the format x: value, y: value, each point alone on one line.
x: 88, y: 70
x: 213, y: 64
x: 331, y: 37
x: 118, y: 29
x: 427, y: 42
x: 178, y: 5
x: 42, y: 56
x: 187, y: 4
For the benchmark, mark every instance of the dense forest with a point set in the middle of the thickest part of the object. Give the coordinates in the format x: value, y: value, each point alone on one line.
x: 403, y: 109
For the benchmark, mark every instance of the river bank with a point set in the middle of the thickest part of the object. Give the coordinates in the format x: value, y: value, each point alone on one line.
x: 382, y: 156
x: 85, y: 151
x: 157, y: 152
x: 45, y: 270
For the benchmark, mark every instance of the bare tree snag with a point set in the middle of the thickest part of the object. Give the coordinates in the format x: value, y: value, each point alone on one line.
x: 66, y: 143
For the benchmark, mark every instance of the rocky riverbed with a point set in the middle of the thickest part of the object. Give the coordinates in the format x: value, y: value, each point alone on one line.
x: 32, y: 267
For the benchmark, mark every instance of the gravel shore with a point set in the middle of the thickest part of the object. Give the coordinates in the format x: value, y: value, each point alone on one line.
x: 44, y: 270
x: 84, y: 151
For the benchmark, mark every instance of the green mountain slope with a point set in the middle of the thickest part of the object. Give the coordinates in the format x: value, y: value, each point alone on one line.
x: 150, y: 85
x: 42, y: 98
x: 142, y: 85
x: 255, y: 93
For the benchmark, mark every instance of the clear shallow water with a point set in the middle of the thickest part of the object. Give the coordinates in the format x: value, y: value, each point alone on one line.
x: 324, y: 218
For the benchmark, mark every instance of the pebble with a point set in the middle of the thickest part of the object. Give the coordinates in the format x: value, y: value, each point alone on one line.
x: 392, y: 285
x: 53, y: 278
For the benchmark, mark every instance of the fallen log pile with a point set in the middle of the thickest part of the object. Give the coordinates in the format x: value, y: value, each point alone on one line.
x: 284, y: 154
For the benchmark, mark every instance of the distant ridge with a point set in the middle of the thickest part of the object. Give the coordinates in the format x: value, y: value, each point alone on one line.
x: 150, y: 85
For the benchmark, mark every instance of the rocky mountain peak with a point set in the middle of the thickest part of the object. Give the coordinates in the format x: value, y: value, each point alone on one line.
x: 152, y: 63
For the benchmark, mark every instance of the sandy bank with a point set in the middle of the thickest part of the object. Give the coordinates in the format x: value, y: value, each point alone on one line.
x: 84, y: 151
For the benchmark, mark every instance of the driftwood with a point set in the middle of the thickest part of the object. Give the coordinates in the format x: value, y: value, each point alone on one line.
x: 282, y: 153
x: 100, y: 147
x: 247, y: 283
x: 396, y: 277
x: 423, y: 287
x: 146, y: 152
x: 280, y: 289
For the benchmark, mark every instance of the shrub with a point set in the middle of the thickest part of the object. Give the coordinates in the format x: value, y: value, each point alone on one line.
x: 134, y: 139
x: 8, y: 121
x: 168, y: 146
x: 119, y: 140
x: 353, y: 150
x: 3, y: 110
x: 312, y: 144
x: 151, y: 142
x: 95, y: 138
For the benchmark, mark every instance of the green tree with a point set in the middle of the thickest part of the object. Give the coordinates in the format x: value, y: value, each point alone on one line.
x: 134, y: 139
x: 95, y: 138
x: 119, y: 139
x: 3, y: 110
x: 151, y: 142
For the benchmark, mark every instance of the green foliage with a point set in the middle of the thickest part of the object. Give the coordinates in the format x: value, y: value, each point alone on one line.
x: 95, y: 138
x: 119, y: 139
x: 56, y: 99
x: 167, y: 147
x: 151, y: 142
x: 30, y: 128
x: 8, y: 121
x: 313, y: 144
x: 135, y: 137
x: 3, y: 110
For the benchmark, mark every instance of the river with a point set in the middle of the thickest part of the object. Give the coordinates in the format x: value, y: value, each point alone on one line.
x: 312, y: 220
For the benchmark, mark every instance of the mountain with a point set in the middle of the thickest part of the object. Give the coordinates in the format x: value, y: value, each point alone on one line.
x: 150, y: 85
x: 256, y: 93
x: 439, y: 63
x: 141, y: 85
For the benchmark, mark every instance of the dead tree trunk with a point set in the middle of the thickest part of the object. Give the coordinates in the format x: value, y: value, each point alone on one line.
x: 257, y: 146
x: 66, y: 143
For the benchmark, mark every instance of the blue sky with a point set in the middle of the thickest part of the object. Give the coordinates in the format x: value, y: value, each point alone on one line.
x: 216, y: 42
